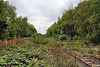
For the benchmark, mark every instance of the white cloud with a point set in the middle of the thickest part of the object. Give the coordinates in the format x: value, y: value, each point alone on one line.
x: 42, y: 13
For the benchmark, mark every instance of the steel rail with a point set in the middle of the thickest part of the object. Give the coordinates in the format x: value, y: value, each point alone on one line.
x: 96, y: 57
x: 80, y: 59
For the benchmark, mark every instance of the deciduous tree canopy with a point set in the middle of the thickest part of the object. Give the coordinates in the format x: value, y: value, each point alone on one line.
x: 82, y: 21
x: 11, y: 25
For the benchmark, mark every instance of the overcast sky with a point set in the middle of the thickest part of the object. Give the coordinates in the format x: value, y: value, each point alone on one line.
x: 42, y: 13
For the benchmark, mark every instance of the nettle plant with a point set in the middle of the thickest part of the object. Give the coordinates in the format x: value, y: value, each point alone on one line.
x: 22, y: 57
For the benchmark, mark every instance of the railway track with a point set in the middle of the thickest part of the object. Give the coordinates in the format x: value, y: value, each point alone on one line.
x: 85, y: 61
x: 90, y: 55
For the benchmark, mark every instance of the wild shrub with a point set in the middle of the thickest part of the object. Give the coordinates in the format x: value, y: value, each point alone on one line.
x: 62, y: 37
x: 95, y: 38
x: 78, y: 45
x: 76, y: 38
x: 39, y: 39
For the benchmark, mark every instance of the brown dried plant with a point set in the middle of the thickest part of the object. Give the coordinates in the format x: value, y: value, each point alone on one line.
x: 5, y: 44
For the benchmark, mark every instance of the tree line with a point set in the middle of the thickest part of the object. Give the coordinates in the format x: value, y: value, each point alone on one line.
x: 12, y: 26
x: 81, y: 22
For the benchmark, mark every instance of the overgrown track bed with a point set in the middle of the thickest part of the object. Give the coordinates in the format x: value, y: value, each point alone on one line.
x: 87, y: 61
x: 90, y: 55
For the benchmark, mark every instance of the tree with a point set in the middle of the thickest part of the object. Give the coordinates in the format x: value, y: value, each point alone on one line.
x: 15, y: 26
x: 3, y: 29
x: 82, y: 21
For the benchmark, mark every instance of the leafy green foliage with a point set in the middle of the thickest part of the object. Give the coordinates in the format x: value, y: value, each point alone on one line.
x: 82, y: 21
x: 96, y: 38
x: 39, y: 39
x: 12, y: 26
x: 78, y: 45
x: 22, y: 57
x: 23, y: 29
x: 62, y: 37
x: 3, y: 27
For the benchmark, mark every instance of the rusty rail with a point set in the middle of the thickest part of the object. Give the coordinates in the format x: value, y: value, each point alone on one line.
x: 96, y: 57
x: 79, y: 59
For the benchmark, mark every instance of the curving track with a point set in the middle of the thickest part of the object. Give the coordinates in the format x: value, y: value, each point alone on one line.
x: 85, y: 61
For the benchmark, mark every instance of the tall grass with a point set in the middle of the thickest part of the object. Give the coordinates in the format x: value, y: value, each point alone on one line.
x: 61, y: 58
